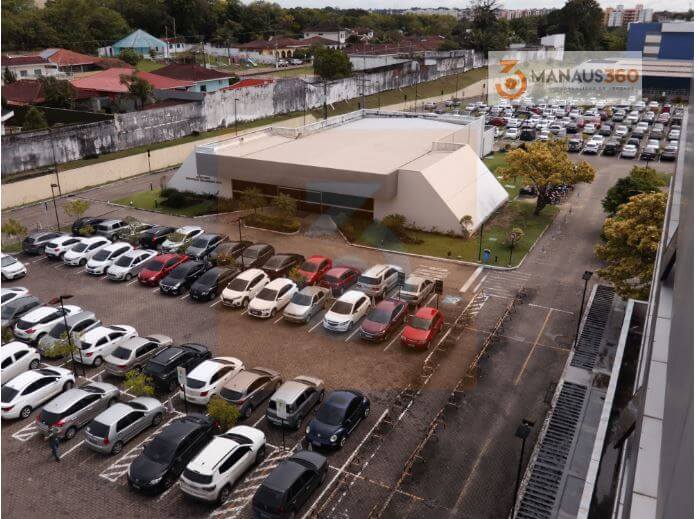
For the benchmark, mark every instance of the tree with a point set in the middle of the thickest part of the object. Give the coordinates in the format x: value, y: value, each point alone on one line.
x: 59, y: 93
x: 512, y: 240
x: 138, y: 88
x: 545, y: 165
x: 13, y: 228
x: 448, y: 45
x: 34, y: 119
x: 7, y: 335
x: 286, y: 205
x: 631, y: 239
x: 138, y: 384
x: 581, y: 21
x: 76, y: 208
x: 8, y: 76
x: 396, y: 223
x: 640, y: 180
x: 483, y: 31
x: 223, y: 413
x: 331, y: 64
x: 466, y: 222
x: 62, y: 347
x: 253, y: 199
x: 130, y: 56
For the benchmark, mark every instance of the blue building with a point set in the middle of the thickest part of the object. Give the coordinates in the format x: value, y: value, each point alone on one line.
x: 203, y: 79
x: 141, y: 42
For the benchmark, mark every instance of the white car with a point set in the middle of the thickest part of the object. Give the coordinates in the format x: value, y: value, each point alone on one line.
x: 621, y: 131
x: 24, y: 393
x: 100, y: 342
x: 653, y: 142
x: 82, y: 252
x: 37, y: 323
x: 208, y: 378
x: 272, y: 298
x: 543, y: 136
x: 629, y: 151
x: 11, y: 267
x: 101, y: 261
x: 674, y: 134
x: 15, y: 358
x: 211, y: 475
x: 181, y: 237
x: 653, y: 105
x: 649, y: 116
x: 416, y: 289
x: 589, y: 129
x: 60, y: 245
x: 591, y: 148
x: 511, y: 133
x: 346, y: 311
x: 12, y: 293
x: 598, y: 138
x: 127, y: 266
x: 633, y: 117
x: 245, y: 287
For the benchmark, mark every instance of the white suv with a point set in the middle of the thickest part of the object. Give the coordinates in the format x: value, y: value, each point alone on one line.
x: 378, y: 280
x: 60, y: 245
x: 346, y: 311
x: 245, y: 287
x: 273, y: 298
x: 209, y: 377
x: 100, y: 262
x: 82, y: 252
x: 100, y: 342
x: 37, y: 323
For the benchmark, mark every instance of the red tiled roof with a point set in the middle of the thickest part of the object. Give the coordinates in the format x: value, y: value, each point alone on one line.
x: 10, y: 61
x: 110, y: 81
x: 23, y: 92
x: 245, y: 83
x: 65, y: 58
x: 273, y: 43
x: 318, y: 40
x: 191, y: 72
x: 106, y: 63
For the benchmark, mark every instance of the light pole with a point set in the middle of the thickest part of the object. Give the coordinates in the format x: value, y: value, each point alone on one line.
x: 522, y: 432
x: 586, y: 277
x: 55, y: 207
x: 55, y: 164
x: 59, y: 300
x: 481, y: 237
x: 235, y: 109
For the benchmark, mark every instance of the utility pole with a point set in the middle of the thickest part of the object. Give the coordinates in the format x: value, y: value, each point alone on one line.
x: 325, y: 99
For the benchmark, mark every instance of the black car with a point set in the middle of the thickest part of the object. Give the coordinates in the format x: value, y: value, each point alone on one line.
x: 605, y: 130
x: 612, y: 148
x: 575, y: 145
x: 203, y: 244
x: 167, y: 455
x: 36, y: 242
x: 15, y: 309
x: 153, y: 237
x: 162, y: 368
x: 571, y: 129
x: 212, y: 282
x: 280, y: 264
x: 336, y: 418
x: 528, y: 134
x: 83, y: 223
x: 290, y: 484
x: 229, y: 250
x: 182, y: 277
x: 255, y: 255
x: 649, y: 153
x: 636, y: 142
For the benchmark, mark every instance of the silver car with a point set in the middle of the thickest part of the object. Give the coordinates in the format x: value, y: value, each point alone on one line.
x: 127, y: 266
x: 250, y: 387
x: 416, y: 289
x: 78, y: 324
x: 135, y: 353
x: 306, y: 303
x: 111, y: 429
x: 71, y: 410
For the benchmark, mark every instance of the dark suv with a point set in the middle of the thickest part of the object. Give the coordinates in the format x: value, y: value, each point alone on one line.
x: 255, y: 255
x: 229, y: 250
x: 162, y: 368
x: 153, y: 237
x: 280, y: 264
x: 85, y: 222
x: 182, y: 277
x: 212, y: 283
x: 36, y: 242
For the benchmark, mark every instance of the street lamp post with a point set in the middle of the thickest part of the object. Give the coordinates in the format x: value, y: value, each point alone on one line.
x: 55, y: 207
x: 586, y: 277
x: 481, y: 237
x: 59, y: 300
x: 235, y: 109
x: 522, y: 432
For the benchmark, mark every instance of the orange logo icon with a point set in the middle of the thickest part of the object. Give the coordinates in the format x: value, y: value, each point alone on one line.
x: 515, y: 84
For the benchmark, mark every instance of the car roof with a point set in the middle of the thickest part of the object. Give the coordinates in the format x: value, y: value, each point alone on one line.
x: 279, y: 283
x: 39, y: 313
x: 290, y: 390
x: 109, y: 222
x: 94, y: 239
x: 340, y: 398
x: 20, y: 301
x: 389, y: 304
x: 316, y: 258
x: 188, y: 228
x: 117, y: 245
x: 242, y: 380
x: 250, y: 274
x: 134, y: 342
x: 79, y: 316
x: 167, y: 256
x: 209, y: 366
x: 338, y: 270
x: 426, y: 312
x: 311, y: 290
x: 30, y: 376
x: 181, y: 427
x: 256, y: 246
x: 212, y: 454
x: 208, y: 236
x: 290, y: 470
x: 351, y: 296
x: 13, y: 347
x: 65, y: 400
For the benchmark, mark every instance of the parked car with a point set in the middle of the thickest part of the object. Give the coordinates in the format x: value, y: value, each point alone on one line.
x: 336, y: 418
x: 110, y: 430
x: 162, y: 368
x: 605, y: 130
x: 182, y: 277
x: 381, y: 321
x: 634, y: 142
x: 210, y: 284
x: 272, y: 298
x: 670, y: 153
x: 306, y: 303
x: 82, y: 252
x: 15, y: 358
x: 511, y: 133
x: 78, y: 324
x: 339, y: 279
x: 629, y: 151
x: 346, y: 311
x: 159, y: 267
x: 75, y: 408
x: 228, y: 251
x: 35, y: 243
x: 134, y: 353
x: 127, y: 266
x: 85, y: 225
x: 208, y: 378
x: 528, y: 134
x: 279, y: 265
x: 674, y: 134
x: 422, y: 327
x: 211, y: 475
x: 7, y: 294
x: 244, y: 287
x: 621, y: 131
x: 102, y: 260
x: 612, y: 148
x: 649, y: 153
x: 37, y: 322
x: 291, y: 483
x: 378, y: 280
x: 591, y: 148
x: 180, y: 238
x: 416, y: 289
x: 100, y: 342
x: 11, y: 267
x: 249, y: 388
x: 314, y: 268
x: 294, y: 400
x: 575, y: 145
x: 153, y: 237
x: 164, y: 458
x: 27, y: 391
x: 15, y: 309
x: 204, y: 244
x: 110, y: 228
x: 133, y: 231
x: 60, y: 245
x: 255, y: 255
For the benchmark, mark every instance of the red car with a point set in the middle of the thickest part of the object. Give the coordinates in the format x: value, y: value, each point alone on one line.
x: 383, y: 319
x: 158, y: 267
x: 338, y: 279
x: 314, y: 268
x: 423, y: 326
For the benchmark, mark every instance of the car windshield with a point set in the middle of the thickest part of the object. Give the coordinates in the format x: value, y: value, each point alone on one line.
x: 209, y: 277
x: 154, y: 265
x: 342, y: 307
x: 7, y: 393
x: 123, y: 261
x: 420, y: 323
x: 8, y: 311
x: 301, y: 299
x: 199, y: 243
x: 229, y: 394
x: 308, y: 266
x: 251, y: 253
x: 367, y: 280
x: 101, y: 255
x: 379, y: 315
x: 330, y: 279
x: 180, y: 272
x: 98, y: 429
x: 160, y: 450
x: 80, y: 247
x: 195, y: 383
x: 8, y: 260
x: 122, y: 353
x: 7, y: 297
x: 238, y: 285
x: 268, y: 294
x: 330, y: 414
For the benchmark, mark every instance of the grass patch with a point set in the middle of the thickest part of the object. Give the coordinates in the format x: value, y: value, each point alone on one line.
x: 152, y: 201
x: 494, y: 162
x: 12, y: 247
x: 518, y: 213
x: 291, y: 72
x: 272, y: 222
x: 146, y: 65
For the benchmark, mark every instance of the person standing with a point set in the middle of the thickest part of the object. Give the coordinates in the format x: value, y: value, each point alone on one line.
x: 54, y: 443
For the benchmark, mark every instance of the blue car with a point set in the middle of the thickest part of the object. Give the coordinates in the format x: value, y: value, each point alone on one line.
x: 336, y: 418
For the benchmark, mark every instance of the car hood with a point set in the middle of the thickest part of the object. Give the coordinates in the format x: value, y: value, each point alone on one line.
x: 323, y: 429
x: 116, y: 269
x: 73, y: 254
x: 415, y: 334
x: 295, y: 309
x: 97, y: 263
x: 340, y: 318
x: 148, y: 274
x: 199, y: 288
x: 13, y: 268
x: 373, y: 327
x: 143, y: 469
x: 232, y: 294
x: 258, y: 304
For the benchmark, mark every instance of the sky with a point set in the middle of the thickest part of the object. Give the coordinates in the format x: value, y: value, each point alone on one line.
x: 656, y: 5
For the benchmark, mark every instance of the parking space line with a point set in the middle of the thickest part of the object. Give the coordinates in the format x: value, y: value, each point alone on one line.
x: 431, y: 299
x: 155, y: 289
x: 27, y: 432
x: 532, y: 349
x: 59, y: 266
x: 40, y: 259
x: 397, y: 336
x: 315, y: 326
x: 183, y: 297
x: 131, y: 282
x: 354, y: 332
x: 217, y: 302
x: 479, y: 285
x: 71, y: 449
x: 471, y: 279
x: 278, y: 320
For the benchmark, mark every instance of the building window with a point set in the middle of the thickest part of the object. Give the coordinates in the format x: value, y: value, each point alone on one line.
x: 37, y: 71
x: 23, y: 73
x: 203, y: 88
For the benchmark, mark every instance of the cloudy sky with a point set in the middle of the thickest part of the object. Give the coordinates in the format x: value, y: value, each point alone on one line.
x: 656, y: 5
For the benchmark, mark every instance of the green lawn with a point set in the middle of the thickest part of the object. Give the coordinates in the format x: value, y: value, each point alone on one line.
x: 291, y: 72
x: 152, y: 201
x: 12, y: 247
x: 494, y: 162
x: 146, y: 65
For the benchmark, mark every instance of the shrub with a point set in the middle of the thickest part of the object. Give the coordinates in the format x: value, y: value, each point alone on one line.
x: 223, y: 412
x: 138, y: 384
x: 13, y: 228
x: 274, y: 223
x: 175, y: 200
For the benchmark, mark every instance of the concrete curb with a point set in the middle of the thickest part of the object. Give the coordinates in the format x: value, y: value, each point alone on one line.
x: 275, y: 232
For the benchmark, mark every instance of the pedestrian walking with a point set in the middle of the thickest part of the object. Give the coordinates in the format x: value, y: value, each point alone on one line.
x: 54, y: 442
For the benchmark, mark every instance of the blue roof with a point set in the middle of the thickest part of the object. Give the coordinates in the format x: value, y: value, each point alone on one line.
x: 139, y: 40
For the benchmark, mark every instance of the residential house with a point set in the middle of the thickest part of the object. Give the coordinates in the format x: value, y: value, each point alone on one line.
x: 6, y: 116
x: 28, y: 67
x: 203, y: 79
x: 283, y: 47
x: 141, y: 42
x: 31, y: 92
x: 69, y: 61
x: 177, y: 45
x: 330, y: 32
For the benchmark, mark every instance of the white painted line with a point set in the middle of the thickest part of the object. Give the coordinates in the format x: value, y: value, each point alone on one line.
x: 131, y: 282
x: 244, y: 311
x: 217, y: 302
x: 343, y: 467
x: 155, y: 289
x: 40, y: 259
x: 551, y: 308
x: 259, y: 421
x: 162, y: 496
x: 471, y: 279
x: 397, y: 336
x: 479, y: 285
x: 354, y: 332
x: 278, y: 320
x: 431, y: 299
x: 71, y: 449
x: 59, y: 266
x: 315, y: 326
x: 184, y: 296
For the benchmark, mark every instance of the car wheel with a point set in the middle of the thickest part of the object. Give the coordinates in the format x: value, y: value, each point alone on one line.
x: 68, y: 385
x: 25, y: 412
x: 70, y: 433
x: 247, y: 411
x: 245, y: 302
x: 157, y: 420
x: 117, y: 447
x: 273, y: 313
x: 4, y: 277
x: 97, y: 362
x: 342, y: 442
x: 366, y: 413
x: 83, y: 262
x: 34, y: 364
x: 223, y: 494
x: 169, y: 480
x: 261, y: 453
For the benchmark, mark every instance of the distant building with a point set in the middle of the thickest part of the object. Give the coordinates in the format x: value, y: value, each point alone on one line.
x: 141, y: 42
x: 620, y: 16
x: 329, y: 32
x: 671, y: 40
x: 71, y: 62
x: 283, y: 47
x: 29, y: 67
x: 6, y: 116
x: 177, y: 45
x: 108, y: 83
x: 203, y: 79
